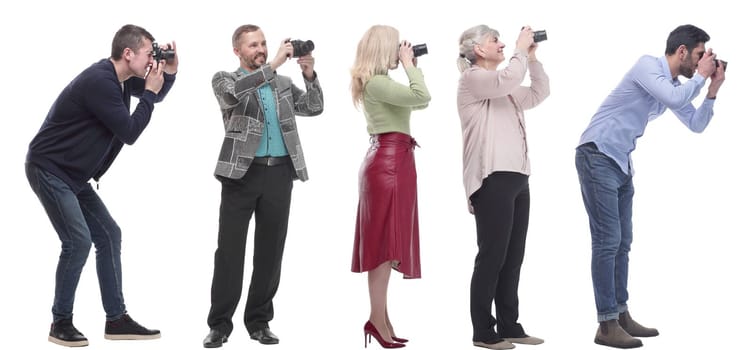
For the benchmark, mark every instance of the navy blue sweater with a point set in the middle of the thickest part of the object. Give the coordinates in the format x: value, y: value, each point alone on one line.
x: 90, y: 121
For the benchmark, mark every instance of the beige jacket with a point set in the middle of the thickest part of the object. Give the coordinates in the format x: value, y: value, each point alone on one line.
x: 490, y: 106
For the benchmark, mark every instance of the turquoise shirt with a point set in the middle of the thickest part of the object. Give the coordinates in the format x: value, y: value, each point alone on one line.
x: 272, y: 143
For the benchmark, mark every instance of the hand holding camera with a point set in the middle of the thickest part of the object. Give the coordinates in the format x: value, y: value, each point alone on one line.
x: 166, y: 53
x: 301, y: 49
x: 525, y: 39
x: 154, y: 77
x: 406, y: 54
x: 718, y: 75
x: 537, y: 36
x: 707, y: 65
x: 284, y: 52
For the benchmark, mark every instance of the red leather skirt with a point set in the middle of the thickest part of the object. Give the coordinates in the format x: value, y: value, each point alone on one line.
x: 387, y: 222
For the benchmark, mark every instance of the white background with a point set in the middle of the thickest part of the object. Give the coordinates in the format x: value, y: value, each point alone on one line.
x: 691, y: 208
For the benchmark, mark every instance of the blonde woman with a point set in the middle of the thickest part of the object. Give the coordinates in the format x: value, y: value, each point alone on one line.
x: 490, y: 103
x: 386, y: 229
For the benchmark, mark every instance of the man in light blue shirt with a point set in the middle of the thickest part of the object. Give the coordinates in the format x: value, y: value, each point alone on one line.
x: 605, y: 169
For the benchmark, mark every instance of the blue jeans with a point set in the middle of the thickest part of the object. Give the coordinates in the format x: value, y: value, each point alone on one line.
x: 607, y: 193
x: 80, y: 219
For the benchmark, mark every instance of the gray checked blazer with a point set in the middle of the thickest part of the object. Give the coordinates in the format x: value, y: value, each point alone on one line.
x: 243, y: 116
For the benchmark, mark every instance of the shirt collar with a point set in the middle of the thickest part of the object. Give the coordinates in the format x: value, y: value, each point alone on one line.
x: 667, y: 71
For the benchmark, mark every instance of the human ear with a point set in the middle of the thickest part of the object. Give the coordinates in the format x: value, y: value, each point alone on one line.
x: 479, y: 52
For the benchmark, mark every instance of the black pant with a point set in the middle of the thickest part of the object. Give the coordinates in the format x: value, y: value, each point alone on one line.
x: 502, y: 208
x: 266, y: 191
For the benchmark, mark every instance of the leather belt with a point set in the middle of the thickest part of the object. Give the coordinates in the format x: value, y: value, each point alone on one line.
x: 271, y: 161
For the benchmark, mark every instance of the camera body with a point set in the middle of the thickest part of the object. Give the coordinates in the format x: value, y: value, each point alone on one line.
x: 301, y: 48
x: 539, y: 35
x: 721, y: 62
x: 162, y: 54
x: 418, y: 49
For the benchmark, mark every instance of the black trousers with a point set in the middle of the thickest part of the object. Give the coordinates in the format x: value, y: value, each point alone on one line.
x: 502, y: 208
x: 265, y: 191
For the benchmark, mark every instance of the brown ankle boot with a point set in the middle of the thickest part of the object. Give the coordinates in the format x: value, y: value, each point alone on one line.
x: 633, y: 328
x: 611, y: 334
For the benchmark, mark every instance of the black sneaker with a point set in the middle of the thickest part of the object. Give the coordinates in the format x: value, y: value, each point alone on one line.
x: 62, y: 332
x: 125, y: 328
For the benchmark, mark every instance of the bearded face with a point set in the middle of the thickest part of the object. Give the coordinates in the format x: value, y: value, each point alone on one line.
x: 689, y: 61
x: 251, y: 50
x: 687, y: 67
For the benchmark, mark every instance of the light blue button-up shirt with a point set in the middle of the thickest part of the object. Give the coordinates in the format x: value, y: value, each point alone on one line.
x: 643, y: 95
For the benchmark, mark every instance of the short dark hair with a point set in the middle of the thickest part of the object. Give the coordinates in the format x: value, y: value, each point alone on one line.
x: 246, y: 28
x: 129, y: 36
x: 687, y: 35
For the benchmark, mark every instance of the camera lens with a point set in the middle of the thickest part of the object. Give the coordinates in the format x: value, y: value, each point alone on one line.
x: 719, y: 62
x: 161, y: 54
x: 420, y: 50
x: 539, y: 35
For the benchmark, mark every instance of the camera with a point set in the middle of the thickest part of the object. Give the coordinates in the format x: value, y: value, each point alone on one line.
x: 301, y: 48
x: 721, y: 62
x: 539, y: 35
x: 162, y: 54
x: 420, y: 50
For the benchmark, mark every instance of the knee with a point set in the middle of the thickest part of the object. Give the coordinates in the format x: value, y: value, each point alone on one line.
x: 606, y: 245
x: 111, y: 238
x: 626, y: 245
x: 76, y: 247
x: 489, y: 261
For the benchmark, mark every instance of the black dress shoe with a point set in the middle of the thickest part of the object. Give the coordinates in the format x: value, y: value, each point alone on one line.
x: 215, y: 339
x: 265, y: 336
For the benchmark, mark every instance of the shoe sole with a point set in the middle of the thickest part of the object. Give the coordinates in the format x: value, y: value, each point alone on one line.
x: 643, y: 335
x: 72, y: 344
x: 600, y: 342
x: 132, y: 336
x: 267, y: 342
x: 496, y: 346
x: 525, y: 341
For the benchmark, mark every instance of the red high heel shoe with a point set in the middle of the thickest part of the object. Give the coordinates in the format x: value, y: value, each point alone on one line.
x: 399, y: 340
x: 369, y: 330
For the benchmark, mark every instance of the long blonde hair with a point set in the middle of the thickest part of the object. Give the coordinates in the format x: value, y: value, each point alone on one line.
x: 374, y: 56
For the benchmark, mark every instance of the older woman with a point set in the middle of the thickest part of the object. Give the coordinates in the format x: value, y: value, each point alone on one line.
x: 490, y: 103
x: 386, y: 230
